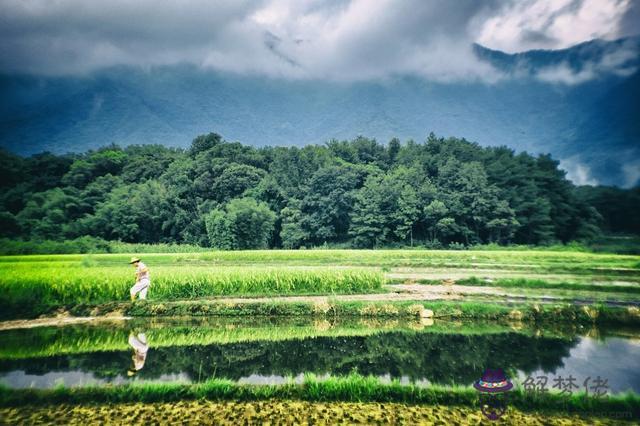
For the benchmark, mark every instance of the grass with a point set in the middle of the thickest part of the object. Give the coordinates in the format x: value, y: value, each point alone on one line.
x: 88, y: 244
x: 525, y: 283
x: 620, y: 244
x: 560, y: 313
x: 351, y: 388
x: 539, y: 260
x: 29, y: 288
x: 277, y: 412
x: 330, y: 309
x: 538, y: 313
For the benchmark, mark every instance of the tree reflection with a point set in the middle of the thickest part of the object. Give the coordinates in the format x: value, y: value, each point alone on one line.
x: 439, y: 358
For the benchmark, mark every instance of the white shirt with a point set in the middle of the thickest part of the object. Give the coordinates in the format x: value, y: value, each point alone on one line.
x: 142, y: 272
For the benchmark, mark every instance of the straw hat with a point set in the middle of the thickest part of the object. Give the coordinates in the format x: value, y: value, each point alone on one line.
x: 134, y: 260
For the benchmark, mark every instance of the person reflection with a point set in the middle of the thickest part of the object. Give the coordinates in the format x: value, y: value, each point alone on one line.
x: 140, y: 348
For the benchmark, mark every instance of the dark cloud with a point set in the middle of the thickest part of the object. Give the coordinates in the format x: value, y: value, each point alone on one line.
x: 337, y: 39
x: 70, y: 36
x: 537, y: 37
x: 630, y: 22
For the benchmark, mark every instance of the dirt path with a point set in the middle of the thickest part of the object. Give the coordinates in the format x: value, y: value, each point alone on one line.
x: 56, y: 321
x: 399, y: 292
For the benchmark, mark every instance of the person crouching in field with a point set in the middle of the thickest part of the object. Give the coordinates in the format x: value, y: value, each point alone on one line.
x: 142, y: 279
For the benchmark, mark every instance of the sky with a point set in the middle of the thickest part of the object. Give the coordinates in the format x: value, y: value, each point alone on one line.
x: 332, y: 40
x: 349, y: 40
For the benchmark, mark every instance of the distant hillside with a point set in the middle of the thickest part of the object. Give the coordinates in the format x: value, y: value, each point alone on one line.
x: 593, y: 124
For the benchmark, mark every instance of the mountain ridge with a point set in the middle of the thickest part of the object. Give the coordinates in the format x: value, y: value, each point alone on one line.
x: 591, y: 126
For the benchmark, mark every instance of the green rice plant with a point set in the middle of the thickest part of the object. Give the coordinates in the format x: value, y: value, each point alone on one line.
x: 532, y: 260
x: 25, y: 286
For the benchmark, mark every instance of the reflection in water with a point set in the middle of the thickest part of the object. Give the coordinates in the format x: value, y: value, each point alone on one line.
x: 75, y: 378
x: 614, y: 360
x: 452, y: 354
x: 140, y: 348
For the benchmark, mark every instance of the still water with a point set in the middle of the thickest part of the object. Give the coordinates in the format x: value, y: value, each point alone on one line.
x: 265, y: 351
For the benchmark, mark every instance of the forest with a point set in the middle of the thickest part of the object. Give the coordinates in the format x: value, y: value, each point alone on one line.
x: 440, y: 193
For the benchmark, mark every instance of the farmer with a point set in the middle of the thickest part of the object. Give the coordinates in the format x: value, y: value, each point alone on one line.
x: 140, y: 348
x: 142, y: 279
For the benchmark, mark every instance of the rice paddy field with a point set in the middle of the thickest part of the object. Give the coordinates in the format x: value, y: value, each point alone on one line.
x: 320, y: 337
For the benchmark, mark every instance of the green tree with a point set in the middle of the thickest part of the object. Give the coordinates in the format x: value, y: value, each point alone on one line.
x: 447, y: 228
x: 433, y: 213
x: 108, y: 160
x: 47, y: 214
x: 407, y: 214
x: 187, y: 222
x: 9, y: 226
x: 12, y: 169
x: 292, y: 235
x: 45, y: 170
x: 367, y: 220
x: 614, y: 205
x: 386, y: 209
x: 473, y: 202
x: 328, y: 203
x: 293, y: 167
x: 377, y: 195
x: 243, y: 224
x: 204, y: 143
x: 235, y: 180
x: 557, y: 189
x: 392, y: 151
x: 133, y: 213
x: 220, y: 230
x: 539, y: 223
x: 147, y: 162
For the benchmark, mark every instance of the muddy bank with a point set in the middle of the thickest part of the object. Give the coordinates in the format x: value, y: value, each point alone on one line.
x: 61, y: 320
x: 328, y: 307
x: 394, y: 294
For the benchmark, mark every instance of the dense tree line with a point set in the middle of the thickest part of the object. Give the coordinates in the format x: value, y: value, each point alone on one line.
x: 358, y: 193
x: 620, y: 208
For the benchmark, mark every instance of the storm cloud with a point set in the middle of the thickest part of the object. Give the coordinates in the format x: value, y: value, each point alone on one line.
x: 300, y: 39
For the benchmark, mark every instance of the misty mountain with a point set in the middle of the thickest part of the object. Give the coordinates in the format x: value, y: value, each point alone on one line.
x: 580, y: 104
